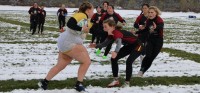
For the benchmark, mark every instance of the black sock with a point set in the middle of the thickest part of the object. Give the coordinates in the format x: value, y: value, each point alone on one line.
x: 46, y: 81
x: 78, y: 83
x: 142, y: 69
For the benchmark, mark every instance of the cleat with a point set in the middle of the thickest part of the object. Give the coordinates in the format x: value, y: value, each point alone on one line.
x: 79, y: 88
x: 62, y: 30
x: 114, y: 83
x: 98, y: 52
x: 42, y: 84
x: 104, y: 57
x: 140, y: 74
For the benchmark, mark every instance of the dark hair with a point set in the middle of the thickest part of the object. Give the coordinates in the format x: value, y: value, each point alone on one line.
x: 98, y: 7
x: 110, y: 22
x: 84, y: 6
x: 112, y: 6
x: 145, y: 4
x: 105, y: 2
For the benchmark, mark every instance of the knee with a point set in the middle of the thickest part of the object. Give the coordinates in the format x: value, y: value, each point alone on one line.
x: 88, y: 62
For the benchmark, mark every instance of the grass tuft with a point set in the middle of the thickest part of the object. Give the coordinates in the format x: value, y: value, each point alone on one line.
x: 9, y: 85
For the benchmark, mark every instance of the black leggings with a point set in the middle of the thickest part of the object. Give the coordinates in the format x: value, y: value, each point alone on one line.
x: 41, y: 26
x: 103, y: 36
x: 108, y: 48
x: 94, y: 36
x: 153, y: 47
x: 133, y: 50
x: 95, y: 33
x: 33, y: 26
x: 61, y: 22
x: 144, y: 49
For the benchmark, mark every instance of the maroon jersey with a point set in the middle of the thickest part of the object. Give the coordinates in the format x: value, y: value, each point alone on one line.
x: 158, y: 32
x: 127, y: 37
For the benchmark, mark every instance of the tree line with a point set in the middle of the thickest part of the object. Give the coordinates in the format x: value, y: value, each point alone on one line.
x: 164, y: 5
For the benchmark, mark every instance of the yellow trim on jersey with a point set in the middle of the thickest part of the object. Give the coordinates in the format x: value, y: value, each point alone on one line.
x: 80, y: 16
x: 89, y: 23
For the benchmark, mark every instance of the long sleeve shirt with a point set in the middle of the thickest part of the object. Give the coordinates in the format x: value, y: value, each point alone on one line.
x: 119, y: 37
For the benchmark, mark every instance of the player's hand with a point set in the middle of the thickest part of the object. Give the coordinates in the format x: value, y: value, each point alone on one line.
x: 141, y: 27
x: 132, y: 31
x: 114, y: 54
x: 85, y: 29
x: 124, y: 23
x: 92, y: 45
x: 154, y: 25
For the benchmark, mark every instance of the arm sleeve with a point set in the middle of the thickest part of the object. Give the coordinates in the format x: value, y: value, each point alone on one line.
x: 93, y: 19
x: 72, y: 24
x: 30, y: 11
x: 120, y: 18
x: 58, y: 12
x: 65, y: 12
x: 45, y: 13
x: 119, y: 43
x: 102, y: 19
x: 101, y: 22
x: 159, y: 27
x: 105, y: 43
x: 136, y: 24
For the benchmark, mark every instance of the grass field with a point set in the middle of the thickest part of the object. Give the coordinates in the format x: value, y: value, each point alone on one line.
x: 18, y: 47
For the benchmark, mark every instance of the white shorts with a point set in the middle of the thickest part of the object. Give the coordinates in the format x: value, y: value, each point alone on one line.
x: 67, y: 40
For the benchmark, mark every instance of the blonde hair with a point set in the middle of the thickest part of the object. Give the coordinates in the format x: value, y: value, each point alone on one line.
x: 156, y: 9
x: 62, y: 6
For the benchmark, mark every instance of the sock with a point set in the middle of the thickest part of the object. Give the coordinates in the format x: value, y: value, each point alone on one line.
x: 78, y: 83
x: 46, y: 81
x: 142, y: 69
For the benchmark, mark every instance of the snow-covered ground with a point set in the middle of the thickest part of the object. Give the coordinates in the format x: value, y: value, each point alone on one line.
x: 33, y: 61
x: 146, y: 89
x: 191, y: 48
